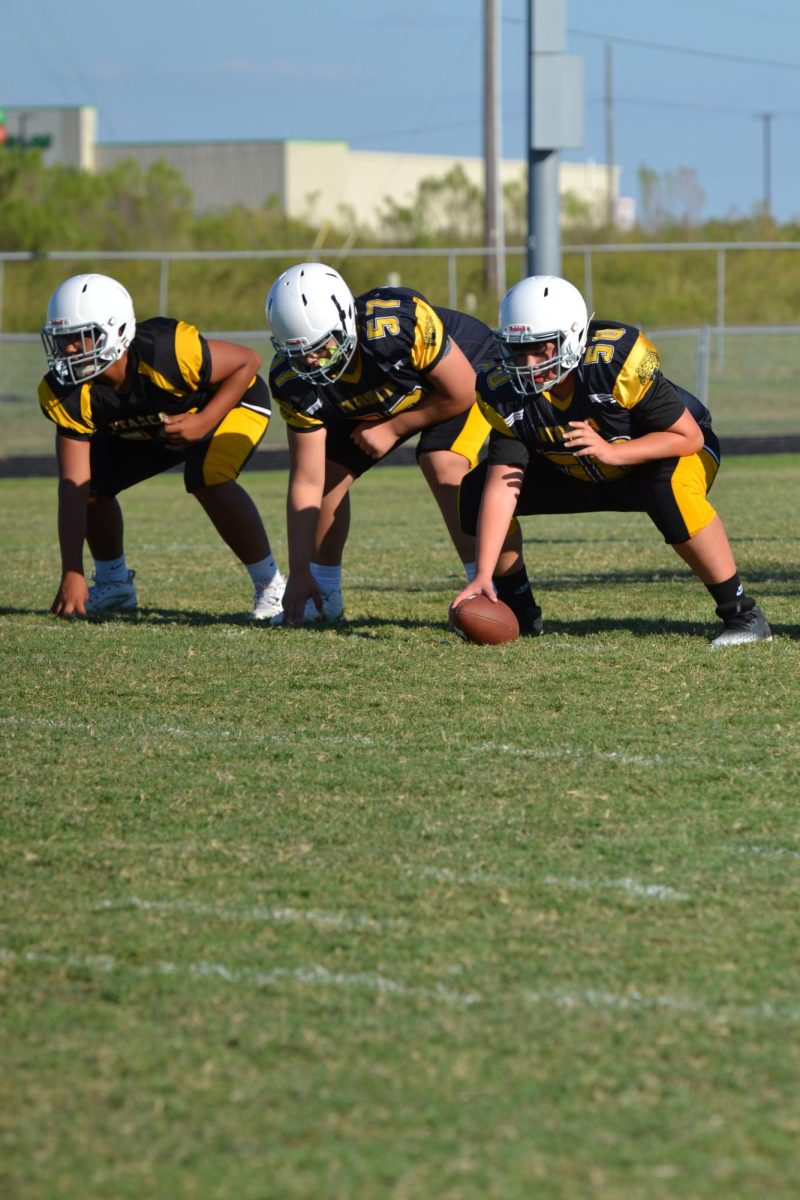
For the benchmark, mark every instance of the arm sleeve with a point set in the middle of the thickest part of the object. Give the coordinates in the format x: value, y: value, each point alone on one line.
x: 659, y: 408
x: 507, y: 451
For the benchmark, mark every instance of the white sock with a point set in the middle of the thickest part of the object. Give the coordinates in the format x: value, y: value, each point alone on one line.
x: 262, y: 572
x: 469, y: 571
x: 328, y: 578
x: 110, y: 570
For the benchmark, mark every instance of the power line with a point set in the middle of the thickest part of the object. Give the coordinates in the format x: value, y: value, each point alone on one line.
x: 737, y: 58
x: 728, y: 109
x: 639, y: 101
x: 692, y: 50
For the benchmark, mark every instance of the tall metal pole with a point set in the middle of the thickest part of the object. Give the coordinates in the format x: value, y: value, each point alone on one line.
x: 555, y: 123
x: 766, y: 119
x: 609, y: 106
x: 494, y: 231
x: 530, y: 244
x: 544, y: 232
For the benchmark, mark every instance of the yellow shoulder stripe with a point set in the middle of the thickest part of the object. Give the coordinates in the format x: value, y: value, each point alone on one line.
x: 296, y: 420
x: 494, y: 418
x: 55, y: 411
x: 636, y: 376
x: 429, y: 335
x: 188, y: 356
x: 189, y: 353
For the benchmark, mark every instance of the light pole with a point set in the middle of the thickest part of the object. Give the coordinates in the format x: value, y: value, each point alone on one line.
x: 766, y: 127
x: 494, y: 230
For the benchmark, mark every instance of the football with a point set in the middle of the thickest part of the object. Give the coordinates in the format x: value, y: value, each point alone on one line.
x: 480, y: 621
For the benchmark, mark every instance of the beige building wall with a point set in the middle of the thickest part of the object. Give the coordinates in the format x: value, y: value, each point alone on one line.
x: 316, y: 179
x: 372, y: 176
x: 219, y: 174
x: 312, y: 180
x: 70, y: 134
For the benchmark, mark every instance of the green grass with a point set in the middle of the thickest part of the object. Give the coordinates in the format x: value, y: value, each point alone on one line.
x: 366, y: 912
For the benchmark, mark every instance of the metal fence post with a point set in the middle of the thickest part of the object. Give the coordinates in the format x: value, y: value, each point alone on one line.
x: 588, y: 282
x: 452, y: 281
x: 163, y: 287
x: 720, y: 310
x: 703, y: 348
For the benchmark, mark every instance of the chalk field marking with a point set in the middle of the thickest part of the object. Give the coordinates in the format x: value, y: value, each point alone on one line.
x: 279, y: 915
x: 479, y: 749
x: 768, y: 851
x: 641, y: 891
x: 310, y: 976
x: 315, y: 976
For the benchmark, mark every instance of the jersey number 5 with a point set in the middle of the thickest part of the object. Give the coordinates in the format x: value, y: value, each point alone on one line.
x: 378, y: 327
x: 599, y: 349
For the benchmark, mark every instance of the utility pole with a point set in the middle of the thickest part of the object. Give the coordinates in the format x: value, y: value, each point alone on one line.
x: 609, y: 107
x: 555, y: 122
x: 766, y: 119
x: 494, y: 225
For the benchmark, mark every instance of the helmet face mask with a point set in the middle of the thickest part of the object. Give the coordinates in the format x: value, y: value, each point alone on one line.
x: 536, y: 311
x: 311, y: 312
x: 90, y: 324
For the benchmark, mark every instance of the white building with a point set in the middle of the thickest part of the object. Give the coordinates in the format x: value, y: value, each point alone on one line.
x: 310, y: 179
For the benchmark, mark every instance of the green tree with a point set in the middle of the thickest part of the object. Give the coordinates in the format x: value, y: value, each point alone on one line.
x: 449, y: 208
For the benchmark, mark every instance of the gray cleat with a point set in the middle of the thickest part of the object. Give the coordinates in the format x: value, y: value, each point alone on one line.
x: 744, y: 627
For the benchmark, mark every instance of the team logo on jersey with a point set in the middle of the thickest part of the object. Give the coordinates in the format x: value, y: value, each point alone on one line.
x: 648, y: 366
x: 601, y: 398
x: 428, y: 327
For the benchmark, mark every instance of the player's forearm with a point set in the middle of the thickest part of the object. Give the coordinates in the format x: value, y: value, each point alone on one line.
x: 660, y: 444
x: 302, y: 516
x: 497, y: 508
x: 227, y: 395
x: 431, y: 410
x: 72, y: 501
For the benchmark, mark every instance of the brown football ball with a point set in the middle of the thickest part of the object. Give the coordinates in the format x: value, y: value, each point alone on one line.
x: 480, y: 621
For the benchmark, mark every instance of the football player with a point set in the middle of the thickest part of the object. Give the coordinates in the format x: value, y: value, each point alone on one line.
x: 354, y: 377
x: 584, y: 421
x: 130, y: 402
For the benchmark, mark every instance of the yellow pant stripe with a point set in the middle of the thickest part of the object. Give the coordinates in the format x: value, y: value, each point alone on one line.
x: 234, y: 440
x: 472, y: 436
x: 691, y: 480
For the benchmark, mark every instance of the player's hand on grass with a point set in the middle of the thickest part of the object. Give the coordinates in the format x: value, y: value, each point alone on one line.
x: 301, y: 586
x: 71, y: 596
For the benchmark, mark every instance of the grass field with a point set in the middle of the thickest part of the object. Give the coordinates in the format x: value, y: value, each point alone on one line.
x: 366, y: 912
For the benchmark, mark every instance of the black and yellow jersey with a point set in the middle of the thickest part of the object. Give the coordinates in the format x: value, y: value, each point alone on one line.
x: 618, y: 388
x: 169, y: 370
x: 401, y: 337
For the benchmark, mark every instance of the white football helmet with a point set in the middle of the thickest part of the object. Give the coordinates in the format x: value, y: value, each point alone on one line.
x: 95, y: 311
x: 308, y: 306
x: 542, y: 308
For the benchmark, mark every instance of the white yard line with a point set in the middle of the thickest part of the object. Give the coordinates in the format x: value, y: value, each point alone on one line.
x: 632, y: 887
x: 767, y: 851
x: 633, y: 999
x: 479, y: 749
x: 269, y: 913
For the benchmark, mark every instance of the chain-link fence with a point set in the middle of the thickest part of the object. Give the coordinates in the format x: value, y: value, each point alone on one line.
x: 745, y: 373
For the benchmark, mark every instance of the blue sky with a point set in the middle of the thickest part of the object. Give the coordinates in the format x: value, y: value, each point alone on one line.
x: 689, y: 87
